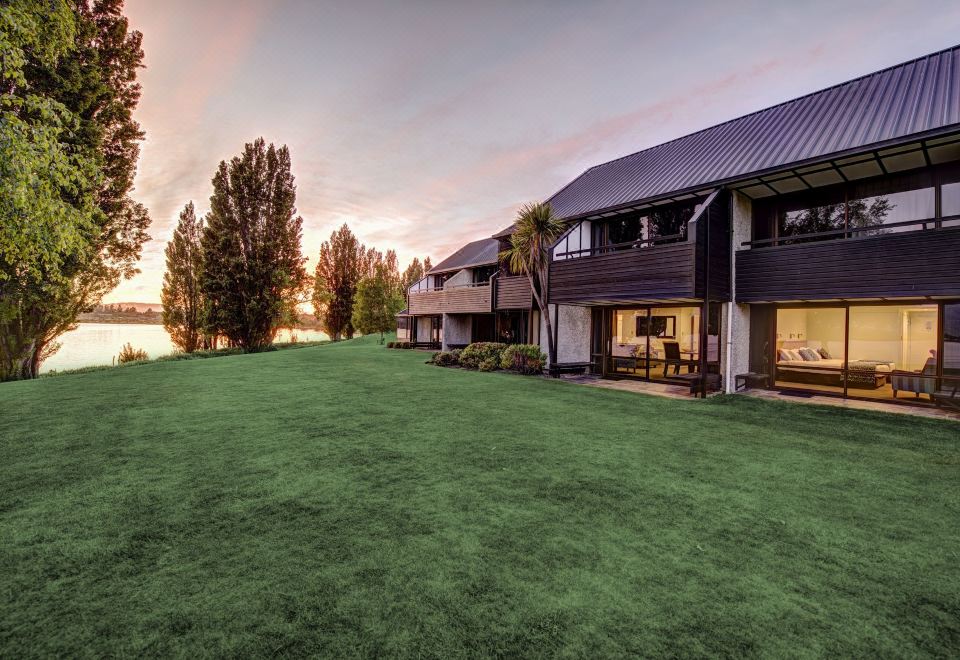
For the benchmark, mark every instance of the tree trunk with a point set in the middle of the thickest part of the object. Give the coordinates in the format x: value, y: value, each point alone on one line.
x: 545, y: 313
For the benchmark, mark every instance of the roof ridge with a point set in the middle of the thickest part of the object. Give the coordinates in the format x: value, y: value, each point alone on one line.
x: 756, y: 112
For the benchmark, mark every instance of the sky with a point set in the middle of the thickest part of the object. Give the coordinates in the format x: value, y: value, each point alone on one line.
x: 424, y: 125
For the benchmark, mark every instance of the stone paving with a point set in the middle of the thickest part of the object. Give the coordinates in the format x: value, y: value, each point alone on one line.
x: 683, y: 392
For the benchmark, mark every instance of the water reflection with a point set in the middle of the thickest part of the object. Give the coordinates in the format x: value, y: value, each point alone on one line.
x: 93, y: 344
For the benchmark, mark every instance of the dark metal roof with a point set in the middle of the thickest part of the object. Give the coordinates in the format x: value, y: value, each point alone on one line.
x: 921, y: 96
x: 478, y: 253
x: 505, y: 233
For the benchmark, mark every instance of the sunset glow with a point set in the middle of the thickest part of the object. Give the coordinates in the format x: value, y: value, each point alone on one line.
x: 425, y: 125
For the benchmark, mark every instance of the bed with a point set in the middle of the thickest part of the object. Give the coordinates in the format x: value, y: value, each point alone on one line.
x: 862, y: 374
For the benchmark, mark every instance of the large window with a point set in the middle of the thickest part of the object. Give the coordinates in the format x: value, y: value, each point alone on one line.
x: 810, y: 350
x: 643, y: 228
x: 878, y: 206
x: 950, y: 203
x: 891, y: 209
x: 875, y: 351
x: 660, y: 342
x: 949, y: 388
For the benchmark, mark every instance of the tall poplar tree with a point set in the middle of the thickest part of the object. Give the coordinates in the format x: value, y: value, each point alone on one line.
x: 181, y: 297
x: 342, y: 263
x: 253, y: 266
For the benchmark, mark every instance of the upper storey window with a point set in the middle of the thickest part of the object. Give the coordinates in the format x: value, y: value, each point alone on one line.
x: 881, y: 206
x: 483, y: 274
x: 647, y: 227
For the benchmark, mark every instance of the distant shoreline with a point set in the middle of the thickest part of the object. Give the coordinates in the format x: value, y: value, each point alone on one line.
x: 122, y: 321
x: 149, y: 321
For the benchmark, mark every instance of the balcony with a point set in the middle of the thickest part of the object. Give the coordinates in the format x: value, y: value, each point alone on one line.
x: 463, y: 299
x: 513, y: 293
x: 662, y: 269
x: 916, y: 259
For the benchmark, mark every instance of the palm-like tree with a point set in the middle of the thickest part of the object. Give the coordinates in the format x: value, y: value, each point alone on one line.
x: 535, y: 231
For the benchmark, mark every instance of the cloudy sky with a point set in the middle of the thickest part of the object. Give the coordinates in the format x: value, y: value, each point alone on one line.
x: 424, y: 125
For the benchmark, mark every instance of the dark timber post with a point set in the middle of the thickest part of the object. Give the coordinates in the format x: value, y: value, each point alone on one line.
x: 705, y: 312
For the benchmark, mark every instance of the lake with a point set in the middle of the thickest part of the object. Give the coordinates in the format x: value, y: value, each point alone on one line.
x: 93, y: 344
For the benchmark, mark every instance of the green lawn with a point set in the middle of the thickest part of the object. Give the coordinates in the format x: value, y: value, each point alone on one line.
x: 350, y: 500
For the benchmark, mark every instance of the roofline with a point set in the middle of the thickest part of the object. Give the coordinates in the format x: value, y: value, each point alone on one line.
x: 756, y: 112
x: 434, y: 271
x: 874, y: 146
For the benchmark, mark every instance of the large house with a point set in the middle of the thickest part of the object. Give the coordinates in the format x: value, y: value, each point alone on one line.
x: 468, y: 297
x: 810, y: 246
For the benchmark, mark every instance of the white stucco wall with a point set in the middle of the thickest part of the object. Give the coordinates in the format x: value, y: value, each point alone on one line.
x: 423, y: 328
x: 736, y: 344
x: 573, y: 333
x: 462, y: 277
x: 457, y: 329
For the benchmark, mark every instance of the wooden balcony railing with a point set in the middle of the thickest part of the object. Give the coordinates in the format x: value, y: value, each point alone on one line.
x: 462, y: 299
x: 513, y: 292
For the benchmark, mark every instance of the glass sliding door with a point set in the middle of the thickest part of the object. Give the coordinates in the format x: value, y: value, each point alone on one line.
x: 864, y: 351
x: 948, y: 387
x: 810, y: 351
x: 662, y: 342
x: 628, y: 343
x: 892, y: 351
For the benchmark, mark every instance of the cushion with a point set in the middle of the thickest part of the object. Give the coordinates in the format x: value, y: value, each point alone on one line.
x: 782, y: 355
x: 795, y: 355
x: 809, y: 354
x: 824, y: 353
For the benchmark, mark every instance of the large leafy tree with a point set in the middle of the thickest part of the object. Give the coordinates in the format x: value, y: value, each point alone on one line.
x: 253, y: 266
x: 536, y: 230
x: 76, y: 82
x: 181, y: 297
x: 378, y: 299
x: 342, y: 263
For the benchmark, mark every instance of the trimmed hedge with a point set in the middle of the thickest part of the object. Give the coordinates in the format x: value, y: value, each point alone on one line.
x: 446, y: 359
x: 490, y: 356
x: 523, y: 358
x: 474, y: 354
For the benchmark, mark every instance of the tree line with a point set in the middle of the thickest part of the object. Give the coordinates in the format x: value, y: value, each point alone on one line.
x: 237, y: 275
x: 70, y: 230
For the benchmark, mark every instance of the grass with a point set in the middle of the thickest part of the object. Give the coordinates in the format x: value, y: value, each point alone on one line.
x: 348, y: 500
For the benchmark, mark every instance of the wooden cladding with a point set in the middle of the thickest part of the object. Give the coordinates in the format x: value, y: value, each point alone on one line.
x: 663, y: 272
x: 670, y: 272
x: 453, y: 300
x: 514, y: 293
x: 901, y: 265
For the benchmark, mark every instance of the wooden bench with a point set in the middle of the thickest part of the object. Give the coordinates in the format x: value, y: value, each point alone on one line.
x: 569, y: 368
x: 750, y: 379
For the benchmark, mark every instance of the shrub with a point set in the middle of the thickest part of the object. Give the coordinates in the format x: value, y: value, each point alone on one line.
x: 405, y: 344
x: 391, y: 344
x: 474, y: 354
x: 130, y: 354
x: 445, y: 359
x: 523, y: 358
x: 488, y: 364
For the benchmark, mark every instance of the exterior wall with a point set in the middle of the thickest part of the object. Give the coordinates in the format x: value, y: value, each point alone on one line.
x: 573, y: 333
x: 423, y: 328
x: 403, y: 334
x: 735, y: 357
x: 457, y: 329
x: 462, y: 277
